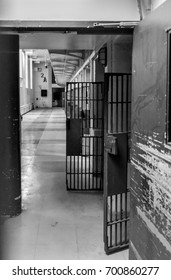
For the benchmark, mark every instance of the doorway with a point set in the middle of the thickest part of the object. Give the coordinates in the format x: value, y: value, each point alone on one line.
x: 58, y: 97
x: 86, y: 132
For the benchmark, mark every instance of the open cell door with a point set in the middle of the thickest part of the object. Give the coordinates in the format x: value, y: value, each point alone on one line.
x: 84, y: 151
x: 116, y: 161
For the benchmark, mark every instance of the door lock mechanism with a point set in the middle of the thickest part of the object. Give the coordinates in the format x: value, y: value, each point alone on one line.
x: 111, y: 145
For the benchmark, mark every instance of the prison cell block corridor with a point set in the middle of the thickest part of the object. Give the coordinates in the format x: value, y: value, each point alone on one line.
x: 54, y: 223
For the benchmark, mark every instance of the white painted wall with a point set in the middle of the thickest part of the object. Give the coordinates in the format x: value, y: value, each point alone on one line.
x: 74, y: 10
x: 26, y: 90
x: 42, y: 79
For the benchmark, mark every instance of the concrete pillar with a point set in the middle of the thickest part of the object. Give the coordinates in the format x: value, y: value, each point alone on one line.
x: 10, y: 162
x: 99, y: 72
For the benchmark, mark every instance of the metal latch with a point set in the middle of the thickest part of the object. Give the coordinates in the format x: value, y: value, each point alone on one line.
x: 111, y: 145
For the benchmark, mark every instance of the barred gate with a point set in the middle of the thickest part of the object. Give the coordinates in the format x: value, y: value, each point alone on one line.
x: 84, y: 155
x: 116, y: 159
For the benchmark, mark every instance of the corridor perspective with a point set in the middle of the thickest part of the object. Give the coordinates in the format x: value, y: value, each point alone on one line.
x: 86, y: 173
x: 54, y: 223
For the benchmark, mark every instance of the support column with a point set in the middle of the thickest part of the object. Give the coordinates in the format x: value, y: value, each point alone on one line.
x: 10, y: 160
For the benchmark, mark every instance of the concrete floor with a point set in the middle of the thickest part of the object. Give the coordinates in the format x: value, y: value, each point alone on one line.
x: 54, y: 224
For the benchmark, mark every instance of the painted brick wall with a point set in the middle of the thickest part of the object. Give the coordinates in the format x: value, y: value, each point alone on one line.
x: 42, y: 79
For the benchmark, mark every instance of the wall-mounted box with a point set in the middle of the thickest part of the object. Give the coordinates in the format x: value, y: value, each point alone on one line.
x: 111, y: 145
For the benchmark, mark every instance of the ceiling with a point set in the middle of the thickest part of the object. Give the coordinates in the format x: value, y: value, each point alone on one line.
x: 65, y: 32
x: 65, y: 51
x: 67, y: 10
x: 69, y: 45
x: 39, y: 55
x: 66, y: 62
x: 58, y: 41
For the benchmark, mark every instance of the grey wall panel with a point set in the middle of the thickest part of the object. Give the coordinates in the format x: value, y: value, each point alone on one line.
x: 150, y: 154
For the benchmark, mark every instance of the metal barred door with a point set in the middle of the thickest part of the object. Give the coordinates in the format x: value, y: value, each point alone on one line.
x: 84, y: 155
x: 116, y: 161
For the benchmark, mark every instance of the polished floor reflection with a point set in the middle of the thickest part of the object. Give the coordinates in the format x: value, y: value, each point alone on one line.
x: 54, y: 224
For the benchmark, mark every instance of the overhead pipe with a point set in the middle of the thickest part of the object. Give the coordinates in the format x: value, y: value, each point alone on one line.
x: 121, y: 24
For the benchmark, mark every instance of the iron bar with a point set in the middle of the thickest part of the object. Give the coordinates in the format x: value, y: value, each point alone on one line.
x: 120, y: 218
x: 118, y: 116
x: 122, y: 104
x: 84, y: 171
x: 118, y: 221
x: 111, y: 107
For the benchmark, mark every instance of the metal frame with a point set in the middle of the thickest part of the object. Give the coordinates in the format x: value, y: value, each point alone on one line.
x: 168, y: 115
x: 120, y: 28
x: 84, y: 102
x: 117, y: 220
x: 117, y: 120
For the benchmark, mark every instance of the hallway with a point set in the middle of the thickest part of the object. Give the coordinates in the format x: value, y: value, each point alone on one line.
x: 54, y: 223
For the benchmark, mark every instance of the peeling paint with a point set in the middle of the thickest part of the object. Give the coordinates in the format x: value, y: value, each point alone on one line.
x: 154, y: 230
x: 153, y: 189
x: 18, y: 197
